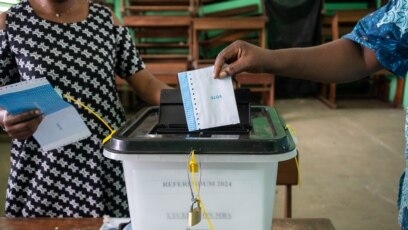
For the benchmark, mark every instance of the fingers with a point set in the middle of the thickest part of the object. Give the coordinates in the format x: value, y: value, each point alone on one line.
x: 23, y: 125
x: 227, y: 62
x: 227, y: 70
x: 23, y: 132
x: 218, y: 65
x: 10, y: 120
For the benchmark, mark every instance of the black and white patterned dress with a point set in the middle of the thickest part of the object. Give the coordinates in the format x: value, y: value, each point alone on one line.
x: 79, y: 59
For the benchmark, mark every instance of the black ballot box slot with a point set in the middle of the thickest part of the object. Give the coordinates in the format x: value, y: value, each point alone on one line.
x: 172, y: 119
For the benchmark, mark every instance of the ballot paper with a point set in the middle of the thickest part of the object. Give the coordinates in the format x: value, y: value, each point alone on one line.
x: 207, y: 102
x: 61, y: 125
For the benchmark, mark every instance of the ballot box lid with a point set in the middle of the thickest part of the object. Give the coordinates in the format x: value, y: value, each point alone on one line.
x: 264, y: 132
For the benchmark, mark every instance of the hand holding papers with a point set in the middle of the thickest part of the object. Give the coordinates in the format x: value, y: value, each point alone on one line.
x: 61, y: 125
x: 207, y: 102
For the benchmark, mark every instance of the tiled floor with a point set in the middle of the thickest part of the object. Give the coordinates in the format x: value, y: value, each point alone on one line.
x: 350, y: 160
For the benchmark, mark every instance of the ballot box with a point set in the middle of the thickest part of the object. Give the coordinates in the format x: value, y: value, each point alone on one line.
x: 236, y: 179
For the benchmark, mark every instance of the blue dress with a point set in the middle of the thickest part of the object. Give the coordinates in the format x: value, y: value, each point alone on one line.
x: 385, y: 31
x: 80, y: 59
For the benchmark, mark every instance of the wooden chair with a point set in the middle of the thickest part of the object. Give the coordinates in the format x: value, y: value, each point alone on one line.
x: 227, y: 29
x: 258, y: 83
x: 162, y: 34
x: 159, y: 5
x: 162, y: 28
x: 288, y: 176
x: 231, y: 8
x: 397, y: 101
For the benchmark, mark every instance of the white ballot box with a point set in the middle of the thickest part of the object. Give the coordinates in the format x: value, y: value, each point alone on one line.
x: 236, y: 179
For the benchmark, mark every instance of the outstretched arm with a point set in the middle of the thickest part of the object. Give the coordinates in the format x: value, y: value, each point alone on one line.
x: 338, y: 61
x: 147, y: 86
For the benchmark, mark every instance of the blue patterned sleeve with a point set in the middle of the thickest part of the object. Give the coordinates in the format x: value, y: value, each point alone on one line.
x: 385, y: 32
x: 8, y: 67
x: 128, y: 60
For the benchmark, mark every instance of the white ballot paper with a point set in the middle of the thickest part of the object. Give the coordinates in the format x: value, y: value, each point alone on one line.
x: 207, y: 102
x: 61, y: 125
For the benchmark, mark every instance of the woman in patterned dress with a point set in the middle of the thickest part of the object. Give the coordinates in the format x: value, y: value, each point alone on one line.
x: 79, y: 48
x: 379, y: 40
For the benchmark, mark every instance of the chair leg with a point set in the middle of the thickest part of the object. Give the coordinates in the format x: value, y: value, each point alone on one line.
x: 288, y: 198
